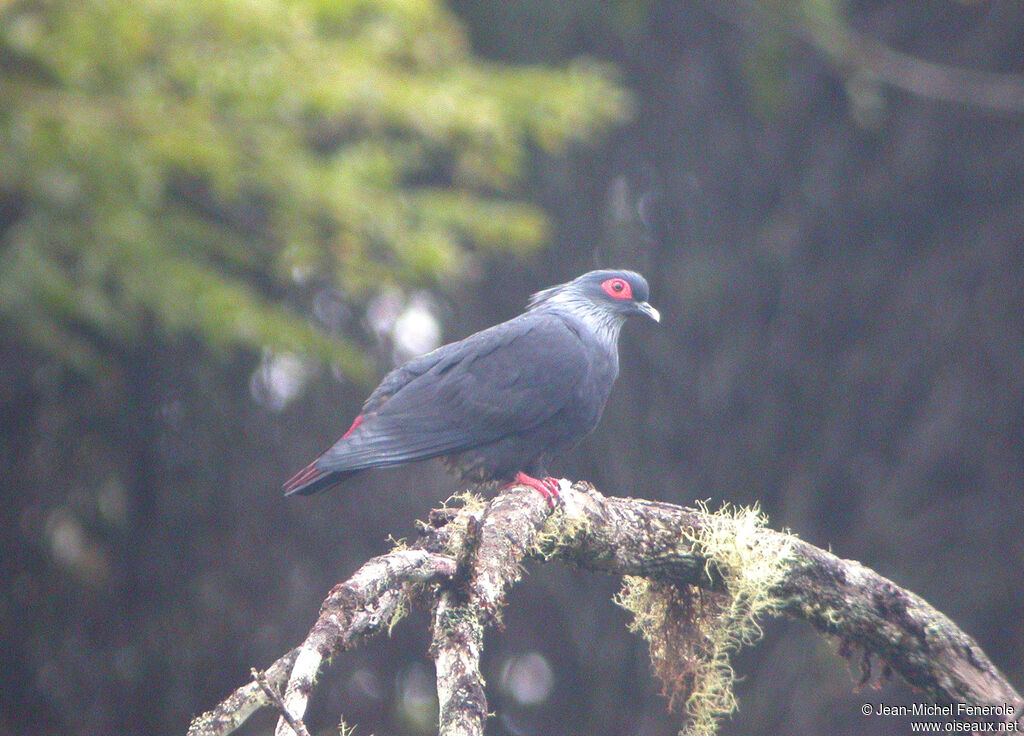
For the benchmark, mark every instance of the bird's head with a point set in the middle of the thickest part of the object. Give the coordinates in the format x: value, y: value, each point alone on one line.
x: 607, y: 296
x: 620, y: 292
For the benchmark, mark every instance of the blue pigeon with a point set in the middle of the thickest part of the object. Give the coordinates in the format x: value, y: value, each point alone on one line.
x: 500, y: 403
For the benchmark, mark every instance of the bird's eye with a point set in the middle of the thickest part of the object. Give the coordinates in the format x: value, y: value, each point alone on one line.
x: 617, y: 288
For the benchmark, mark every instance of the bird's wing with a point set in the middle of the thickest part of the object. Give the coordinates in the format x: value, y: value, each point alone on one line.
x: 494, y: 384
x: 399, y: 377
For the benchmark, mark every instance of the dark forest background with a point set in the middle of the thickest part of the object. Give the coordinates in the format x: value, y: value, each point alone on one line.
x: 219, y: 225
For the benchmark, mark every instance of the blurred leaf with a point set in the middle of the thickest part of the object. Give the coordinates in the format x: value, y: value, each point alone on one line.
x: 189, y: 164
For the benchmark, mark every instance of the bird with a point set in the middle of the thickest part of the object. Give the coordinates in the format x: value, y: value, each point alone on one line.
x: 499, y: 404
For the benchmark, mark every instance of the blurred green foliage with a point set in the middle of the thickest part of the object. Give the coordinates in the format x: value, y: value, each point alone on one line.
x: 186, y: 165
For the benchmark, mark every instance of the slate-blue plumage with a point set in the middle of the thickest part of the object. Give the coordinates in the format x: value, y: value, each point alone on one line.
x: 498, y: 404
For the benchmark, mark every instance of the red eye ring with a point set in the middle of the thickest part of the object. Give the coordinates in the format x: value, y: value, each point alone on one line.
x: 617, y: 288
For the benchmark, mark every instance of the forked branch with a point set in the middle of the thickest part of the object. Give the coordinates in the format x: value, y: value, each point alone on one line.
x: 466, y: 560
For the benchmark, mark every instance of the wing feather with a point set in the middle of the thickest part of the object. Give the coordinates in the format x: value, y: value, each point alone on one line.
x: 497, y: 383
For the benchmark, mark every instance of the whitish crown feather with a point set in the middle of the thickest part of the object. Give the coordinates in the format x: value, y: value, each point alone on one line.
x: 571, y: 299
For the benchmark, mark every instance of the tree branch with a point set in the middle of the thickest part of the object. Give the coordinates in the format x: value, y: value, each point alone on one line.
x: 838, y: 597
x: 358, y: 608
x: 991, y: 90
x: 296, y: 724
x: 235, y: 709
x: 457, y: 640
x: 851, y: 52
x: 501, y: 538
x: 467, y: 559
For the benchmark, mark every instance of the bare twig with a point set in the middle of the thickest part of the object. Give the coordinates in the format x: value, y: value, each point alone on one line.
x: 234, y: 710
x: 300, y: 687
x: 296, y: 723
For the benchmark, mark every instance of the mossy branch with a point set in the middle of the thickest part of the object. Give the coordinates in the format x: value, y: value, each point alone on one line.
x: 698, y: 583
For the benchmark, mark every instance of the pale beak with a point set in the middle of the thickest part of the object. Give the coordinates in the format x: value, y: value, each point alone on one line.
x: 647, y: 309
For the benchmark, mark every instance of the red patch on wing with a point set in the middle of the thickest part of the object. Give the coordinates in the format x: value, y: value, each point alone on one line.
x: 355, y: 423
x: 617, y: 288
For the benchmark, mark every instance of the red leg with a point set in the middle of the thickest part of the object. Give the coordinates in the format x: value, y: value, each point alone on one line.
x: 547, y: 486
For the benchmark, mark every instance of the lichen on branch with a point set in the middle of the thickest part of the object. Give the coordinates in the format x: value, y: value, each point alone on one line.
x: 698, y: 583
x: 692, y: 633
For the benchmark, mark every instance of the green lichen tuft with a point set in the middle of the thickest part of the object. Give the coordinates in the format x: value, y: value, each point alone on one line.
x: 401, y: 611
x: 466, y: 500
x: 691, y: 632
x: 561, y: 530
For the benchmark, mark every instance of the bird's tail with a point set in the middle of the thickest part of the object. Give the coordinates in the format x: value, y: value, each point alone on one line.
x: 312, y: 479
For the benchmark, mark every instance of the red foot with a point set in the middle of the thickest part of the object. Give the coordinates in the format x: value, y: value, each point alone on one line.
x: 547, y: 487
